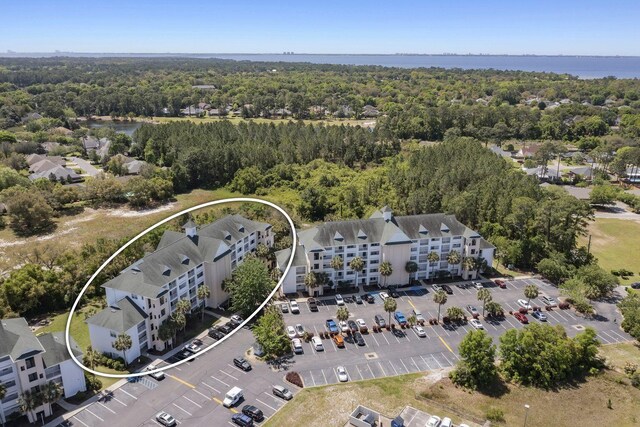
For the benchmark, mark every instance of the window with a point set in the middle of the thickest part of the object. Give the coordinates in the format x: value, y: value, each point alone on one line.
x: 30, y: 362
x: 161, y: 300
x: 473, y: 242
x: 162, y: 312
x: 33, y: 377
x: 200, y: 274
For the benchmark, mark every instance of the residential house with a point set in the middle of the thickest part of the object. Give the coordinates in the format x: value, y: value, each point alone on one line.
x: 344, y: 111
x: 132, y: 165
x: 31, y: 116
x: 28, y: 362
x: 49, y: 146
x: 51, y: 167
x: 383, y: 237
x: 581, y: 173
x: 99, y: 146
x: 544, y: 174
x: 192, y: 110
x: 33, y: 159
x: 527, y: 151
x: 370, y: 111
x: 145, y: 294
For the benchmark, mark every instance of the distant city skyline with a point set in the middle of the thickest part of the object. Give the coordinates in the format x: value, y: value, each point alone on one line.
x: 492, y: 27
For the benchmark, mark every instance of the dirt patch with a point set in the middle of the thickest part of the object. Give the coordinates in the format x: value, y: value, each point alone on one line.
x: 129, y: 213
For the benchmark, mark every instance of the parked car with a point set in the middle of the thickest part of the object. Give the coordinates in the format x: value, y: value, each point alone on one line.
x: 476, y: 324
x: 225, y: 329
x: 165, y: 419
x: 299, y: 329
x: 447, y: 289
x: 524, y: 304
x: 339, y: 299
x: 331, y: 325
x: 383, y: 295
x: 501, y: 283
x: 342, y: 374
x: 343, y: 326
x: 282, y: 392
x: 400, y: 318
x: 446, y: 422
x: 420, y: 331
x: 295, y: 308
x: 521, y: 317
x: 539, y: 315
x: 357, y: 337
x: 297, y: 346
x: 358, y: 299
x: 156, y: 375
x: 478, y: 285
x: 215, y: 333
x: 313, y: 304
x: 291, y: 332
x: 362, y: 325
x: 253, y: 412
x: 393, y: 292
x: 317, y: 343
x: 434, y: 421
x: 192, y: 347
x: 472, y: 310
x: 418, y: 315
x: 436, y: 287
x: 338, y: 340
x: 241, y: 363
x: 184, y: 354
x: 380, y: 321
x: 547, y: 300
x: 284, y: 307
x: 353, y: 325
x: 236, y: 320
x: 242, y: 420
x: 369, y: 298
x: 232, y: 397
x: 635, y: 285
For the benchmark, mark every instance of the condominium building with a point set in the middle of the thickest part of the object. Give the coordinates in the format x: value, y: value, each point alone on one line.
x: 383, y: 238
x: 28, y: 362
x: 145, y: 294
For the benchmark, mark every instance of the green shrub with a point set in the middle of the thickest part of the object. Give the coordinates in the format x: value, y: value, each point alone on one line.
x: 495, y: 414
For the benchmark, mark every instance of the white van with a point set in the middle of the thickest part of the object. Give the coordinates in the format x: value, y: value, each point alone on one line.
x: 232, y: 397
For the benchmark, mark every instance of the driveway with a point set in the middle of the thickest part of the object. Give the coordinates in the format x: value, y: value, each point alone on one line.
x: 87, y: 167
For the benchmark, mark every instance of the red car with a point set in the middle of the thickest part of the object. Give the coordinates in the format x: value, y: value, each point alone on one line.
x: 521, y: 317
x: 501, y: 284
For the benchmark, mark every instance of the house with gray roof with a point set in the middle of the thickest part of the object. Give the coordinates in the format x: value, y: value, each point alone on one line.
x: 146, y: 293
x: 380, y: 238
x: 29, y: 361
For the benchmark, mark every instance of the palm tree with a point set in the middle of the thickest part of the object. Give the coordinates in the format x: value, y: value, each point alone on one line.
x: 531, y: 291
x: 433, y: 257
x: 356, y: 265
x: 166, y: 331
x: 342, y: 314
x: 412, y: 320
x: 386, y: 270
x: 202, y: 294
x: 440, y: 298
x: 479, y: 264
x: 90, y: 357
x: 455, y: 314
x: 336, y: 262
x: 390, y: 305
x: 275, y: 274
x: 311, y: 282
x: 123, y: 343
x: 468, y: 263
x: 494, y: 309
x: 453, y: 258
x: 484, y: 295
x: 179, y: 321
x: 411, y: 267
x: 28, y: 402
x: 51, y: 392
x: 183, y: 306
x: 3, y: 393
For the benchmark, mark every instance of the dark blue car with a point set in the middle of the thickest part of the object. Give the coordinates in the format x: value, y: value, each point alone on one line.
x: 400, y: 318
x: 331, y: 325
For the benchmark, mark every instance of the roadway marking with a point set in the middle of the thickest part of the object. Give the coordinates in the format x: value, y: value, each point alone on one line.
x: 207, y: 385
x: 370, y: 371
x: 312, y: 379
x: 198, y: 405
x: 385, y: 338
x: 426, y: 363
x: 81, y: 422
x: 382, y: 369
x: 87, y: 409
x: 606, y: 341
x: 405, y: 366
x: 218, y: 401
x: 219, y: 381
x: 229, y: 375
x: 181, y: 381
x: 268, y: 406
x: 117, y: 400
x: 625, y: 339
x: 201, y: 394
x: 106, y: 407
x: 437, y: 361
x: 126, y: 392
x: 374, y: 338
x: 445, y: 344
x: 325, y: 377
x: 394, y: 368
x: 183, y: 410
x: 236, y: 368
x: 359, y: 373
x: 415, y: 364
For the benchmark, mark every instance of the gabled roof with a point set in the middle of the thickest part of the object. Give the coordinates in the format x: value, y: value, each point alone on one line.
x: 125, y: 315
x: 59, y: 172
x: 56, y: 349
x: 17, y: 340
x: 299, y: 259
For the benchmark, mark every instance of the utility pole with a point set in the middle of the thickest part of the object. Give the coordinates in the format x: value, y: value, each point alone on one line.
x: 526, y: 413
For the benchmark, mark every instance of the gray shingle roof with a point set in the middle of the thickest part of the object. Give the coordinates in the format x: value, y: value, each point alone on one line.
x: 299, y: 259
x: 55, y: 348
x: 17, y: 340
x: 125, y: 315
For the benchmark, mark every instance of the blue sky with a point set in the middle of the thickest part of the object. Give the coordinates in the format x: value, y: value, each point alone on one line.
x: 584, y: 27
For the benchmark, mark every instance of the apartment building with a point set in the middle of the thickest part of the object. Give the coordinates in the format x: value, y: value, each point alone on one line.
x: 145, y: 294
x: 383, y: 238
x: 28, y: 362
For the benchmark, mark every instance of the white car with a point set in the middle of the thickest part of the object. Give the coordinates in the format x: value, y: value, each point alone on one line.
x: 193, y: 348
x: 317, y: 343
x: 295, y: 308
x: 419, y: 331
x: 156, y: 375
x: 165, y: 419
x: 339, y: 299
x: 524, y: 304
x: 446, y: 422
x: 342, y: 374
x: 476, y: 324
x: 434, y: 421
x: 478, y: 285
x: 343, y: 326
x: 361, y: 324
x: 291, y: 332
x: 384, y: 295
x: 418, y: 314
x: 299, y: 330
x: 297, y: 345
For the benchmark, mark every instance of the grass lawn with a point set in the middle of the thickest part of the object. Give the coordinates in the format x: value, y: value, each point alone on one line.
x: 615, y: 243
x: 619, y: 354
x: 580, y: 405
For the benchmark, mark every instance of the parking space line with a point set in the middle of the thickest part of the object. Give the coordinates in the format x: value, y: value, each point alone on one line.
x: 236, y: 369
x: 229, y: 375
x: 117, y: 400
x: 405, y: 366
x: 620, y: 335
x: 567, y: 312
x: 324, y: 376
x: 219, y: 381
x: 87, y: 409
x: 606, y: 341
x: 374, y: 338
x: 437, y: 361
x: 382, y: 369
x: 126, y: 392
x: 426, y: 363
x: 207, y: 385
x: 416, y: 365
x: 197, y: 404
x: 393, y: 367
x: 385, y: 338
x: 182, y: 409
x: 267, y: 405
x: 613, y: 337
x: 202, y: 394
x: 107, y: 408
x: 359, y: 373
x: 312, y: 379
x: 81, y: 422
x: 370, y: 371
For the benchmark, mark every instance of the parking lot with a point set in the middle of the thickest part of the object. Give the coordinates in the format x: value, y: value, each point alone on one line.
x: 403, y: 351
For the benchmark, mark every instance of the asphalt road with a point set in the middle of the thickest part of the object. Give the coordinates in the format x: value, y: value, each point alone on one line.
x: 193, y: 392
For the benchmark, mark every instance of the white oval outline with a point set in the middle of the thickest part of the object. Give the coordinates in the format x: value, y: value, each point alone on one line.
x: 188, y: 359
